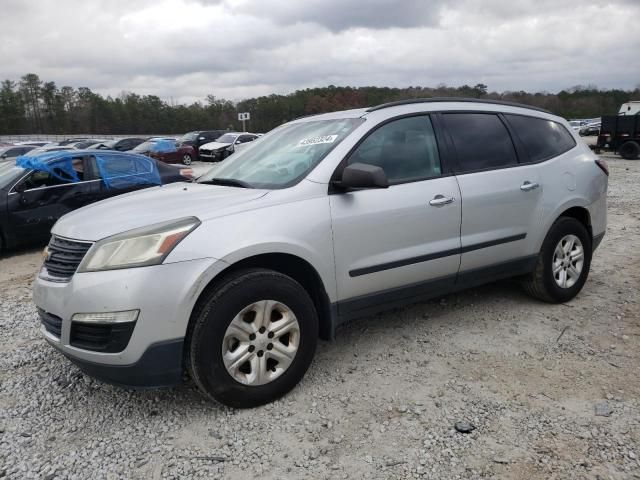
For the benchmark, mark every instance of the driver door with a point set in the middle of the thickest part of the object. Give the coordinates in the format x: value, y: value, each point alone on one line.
x: 402, y: 242
x: 37, y: 202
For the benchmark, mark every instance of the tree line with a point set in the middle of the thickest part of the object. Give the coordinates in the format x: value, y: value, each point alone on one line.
x: 31, y: 106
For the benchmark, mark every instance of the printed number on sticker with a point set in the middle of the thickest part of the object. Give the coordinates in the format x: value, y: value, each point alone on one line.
x: 317, y: 140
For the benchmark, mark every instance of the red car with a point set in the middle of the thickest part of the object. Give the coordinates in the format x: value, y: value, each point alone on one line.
x: 179, y: 154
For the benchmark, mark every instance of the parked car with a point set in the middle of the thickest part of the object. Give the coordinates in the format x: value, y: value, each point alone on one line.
x: 85, y: 144
x: 32, y: 199
x: 10, y: 153
x: 175, y: 154
x: 72, y: 140
x: 200, y: 137
x: 326, y: 218
x: 577, y: 124
x: 225, y: 145
x: 591, y: 129
x: 34, y: 143
x: 50, y: 148
x: 120, y: 145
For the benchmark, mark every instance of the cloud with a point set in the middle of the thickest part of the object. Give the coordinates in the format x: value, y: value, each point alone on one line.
x: 182, y: 50
x: 338, y: 15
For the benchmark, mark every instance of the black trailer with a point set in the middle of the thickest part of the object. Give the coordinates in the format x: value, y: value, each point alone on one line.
x: 621, y: 134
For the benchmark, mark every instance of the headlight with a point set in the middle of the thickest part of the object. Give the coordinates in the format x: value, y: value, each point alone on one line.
x: 138, y: 248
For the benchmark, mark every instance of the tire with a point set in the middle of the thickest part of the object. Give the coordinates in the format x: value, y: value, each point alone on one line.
x: 209, y: 336
x: 542, y: 283
x: 629, y: 150
x: 186, y: 159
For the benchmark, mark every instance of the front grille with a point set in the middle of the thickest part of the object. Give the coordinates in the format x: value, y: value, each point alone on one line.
x: 101, y: 337
x: 64, y: 256
x: 205, y: 152
x: 52, y: 323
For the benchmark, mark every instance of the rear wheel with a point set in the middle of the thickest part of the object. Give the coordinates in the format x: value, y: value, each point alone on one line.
x: 253, y: 339
x: 186, y: 159
x: 563, y: 264
x: 629, y: 150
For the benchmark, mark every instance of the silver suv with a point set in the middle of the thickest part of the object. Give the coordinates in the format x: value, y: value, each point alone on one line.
x: 233, y: 278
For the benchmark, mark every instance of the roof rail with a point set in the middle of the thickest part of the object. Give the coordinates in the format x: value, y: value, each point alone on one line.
x: 453, y: 99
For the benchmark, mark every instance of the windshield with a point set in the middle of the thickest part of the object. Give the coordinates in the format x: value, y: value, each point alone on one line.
x: 227, y: 138
x: 188, y: 137
x: 9, y: 172
x: 284, y: 156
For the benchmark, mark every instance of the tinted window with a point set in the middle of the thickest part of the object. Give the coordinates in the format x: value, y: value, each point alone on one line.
x: 542, y: 139
x: 405, y: 149
x: 481, y: 141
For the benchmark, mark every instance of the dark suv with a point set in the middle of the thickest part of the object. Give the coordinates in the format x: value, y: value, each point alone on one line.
x: 200, y: 137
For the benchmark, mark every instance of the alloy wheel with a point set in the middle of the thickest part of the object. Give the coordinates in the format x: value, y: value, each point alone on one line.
x: 261, y: 342
x: 568, y: 261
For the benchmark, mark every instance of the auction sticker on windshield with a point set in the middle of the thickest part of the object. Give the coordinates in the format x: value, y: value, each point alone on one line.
x: 317, y: 140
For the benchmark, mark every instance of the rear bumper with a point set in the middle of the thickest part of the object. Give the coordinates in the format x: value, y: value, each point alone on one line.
x: 159, y: 366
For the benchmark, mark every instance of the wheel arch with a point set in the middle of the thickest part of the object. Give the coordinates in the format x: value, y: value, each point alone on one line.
x: 581, y: 214
x: 288, y: 264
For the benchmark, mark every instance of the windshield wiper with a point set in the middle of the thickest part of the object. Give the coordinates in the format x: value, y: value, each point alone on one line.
x: 228, y: 182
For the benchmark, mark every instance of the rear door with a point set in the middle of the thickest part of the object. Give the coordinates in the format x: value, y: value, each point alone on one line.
x: 124, y: 173
x: 501, y: 197
x: 403, y: 241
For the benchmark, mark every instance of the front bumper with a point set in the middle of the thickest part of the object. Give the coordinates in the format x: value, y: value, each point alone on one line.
x: 159, y: 366
x: 164, y: 294
x: 214, y: 156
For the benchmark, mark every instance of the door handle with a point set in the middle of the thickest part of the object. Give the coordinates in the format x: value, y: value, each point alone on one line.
x: 440, y: 200
x: 527, y: 186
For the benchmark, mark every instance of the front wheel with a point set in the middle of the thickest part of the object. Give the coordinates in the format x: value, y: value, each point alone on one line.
x: 563, y: 263
x: 253, y: 338
x: 186, y: 159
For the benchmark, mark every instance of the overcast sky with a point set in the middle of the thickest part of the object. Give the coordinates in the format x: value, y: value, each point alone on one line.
x: 183, y: 50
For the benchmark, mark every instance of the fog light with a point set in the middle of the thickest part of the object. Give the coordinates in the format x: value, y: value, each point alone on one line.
x: 107, y: 317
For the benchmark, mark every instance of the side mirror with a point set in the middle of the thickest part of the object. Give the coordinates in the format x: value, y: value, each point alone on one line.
x: 237, y: 142
x: 361, y: 176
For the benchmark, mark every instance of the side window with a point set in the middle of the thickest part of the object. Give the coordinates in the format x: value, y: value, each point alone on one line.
x: 543, y: 139
x: 481, y: 141
x: 118, y: 166
x: 405, y: 149
x: 58, y: 175
x: 246, y: 138
x: 40, y: 179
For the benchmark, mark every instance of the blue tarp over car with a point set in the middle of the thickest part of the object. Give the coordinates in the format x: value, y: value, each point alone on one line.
x: 116, y: 169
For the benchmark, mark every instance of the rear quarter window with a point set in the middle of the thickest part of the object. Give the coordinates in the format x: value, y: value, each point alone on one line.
x: 542, y: 139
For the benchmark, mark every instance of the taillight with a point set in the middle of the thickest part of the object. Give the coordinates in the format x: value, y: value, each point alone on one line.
x: 603, y: 166
x: 187, y: 173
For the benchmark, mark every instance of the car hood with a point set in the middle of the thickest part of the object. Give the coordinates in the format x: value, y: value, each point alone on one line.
x: 214, y: 145
x: 153, y: 205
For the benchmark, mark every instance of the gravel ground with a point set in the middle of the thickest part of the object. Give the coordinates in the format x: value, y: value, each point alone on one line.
x: 550, y: 391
